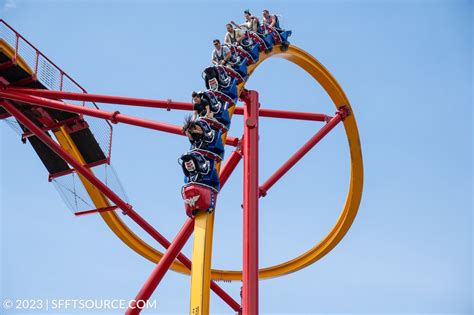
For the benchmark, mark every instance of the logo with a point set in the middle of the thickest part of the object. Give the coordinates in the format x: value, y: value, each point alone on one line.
x: 213, y: 84
x: 190, y: 167
x: 192, y: 201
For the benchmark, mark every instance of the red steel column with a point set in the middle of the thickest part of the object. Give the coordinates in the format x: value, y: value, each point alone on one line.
x: 251, y: 195
x: 161, y: 269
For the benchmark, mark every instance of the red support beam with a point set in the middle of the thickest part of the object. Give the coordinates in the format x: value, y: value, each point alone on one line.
x: 160, y: 270
x: 166, y: 104
x: 230, y: 165
x: 114, y: 117
x: 286, y: 114
x: 54, y: 126
x: 71, y: 170
x: 25, y: 81
x: 105, y: 209
x: 4, y: 115
x: 6, y: 64
x: 126, y: 208
x: 250, y: 205
x: 301, y: 152
x: 107, y: 99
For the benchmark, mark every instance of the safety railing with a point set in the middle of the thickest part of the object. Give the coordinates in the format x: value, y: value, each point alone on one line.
x: 54, y: 78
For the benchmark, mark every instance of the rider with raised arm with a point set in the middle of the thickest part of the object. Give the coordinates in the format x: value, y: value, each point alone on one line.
x: 234, y: 35
x: 221, y: 55
x: 251, y: 23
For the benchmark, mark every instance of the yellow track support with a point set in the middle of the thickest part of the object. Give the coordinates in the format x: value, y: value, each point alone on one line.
x: 201, y: 269
x: 202, y: 253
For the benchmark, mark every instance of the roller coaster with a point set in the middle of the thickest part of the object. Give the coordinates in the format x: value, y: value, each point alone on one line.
x: 73, y: 138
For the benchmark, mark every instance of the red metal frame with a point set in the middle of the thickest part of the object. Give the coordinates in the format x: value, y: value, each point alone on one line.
x: 250, y: 205
x: 114, y: 117
x: 105, y: 209
x: 4, y: 116
x: 125, y: 207
x: 230, y: 164
x: 7, y: 64
x: 53, y: 126
x: 164, y: 104
x: 69, y: 171
x: 25, y: 81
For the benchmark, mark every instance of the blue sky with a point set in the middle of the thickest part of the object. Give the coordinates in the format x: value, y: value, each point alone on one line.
x: 406, y: 67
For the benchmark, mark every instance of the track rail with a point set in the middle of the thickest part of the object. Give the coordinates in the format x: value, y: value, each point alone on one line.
x: 349, y: 211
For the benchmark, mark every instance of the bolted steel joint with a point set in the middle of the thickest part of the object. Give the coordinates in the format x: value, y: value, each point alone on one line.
x: 344, y: 111
x: 113, y: 117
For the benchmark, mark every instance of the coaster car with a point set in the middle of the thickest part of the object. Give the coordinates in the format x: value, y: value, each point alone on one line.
x: 242, y: 53
x: 251, y: 47
x: 208, y: 138
x: 222, y: 98
x: 197, y: 168
x: 251, y: 38
x: 238, y: 68
x: 221, y: 110
x: 216, y: 80
x: 198, y: 197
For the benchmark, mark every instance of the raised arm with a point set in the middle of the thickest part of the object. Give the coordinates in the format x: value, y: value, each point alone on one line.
x: 235, y: 24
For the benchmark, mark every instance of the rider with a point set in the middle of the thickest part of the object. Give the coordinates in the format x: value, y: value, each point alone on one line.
x: 202, y: 106
x: 194, y: 166
x: 221, y: 55
x: 197, y: 131
x: 202, y: 136
x: 234, y: 35
x: 251, y: 23
x: 271, y: 20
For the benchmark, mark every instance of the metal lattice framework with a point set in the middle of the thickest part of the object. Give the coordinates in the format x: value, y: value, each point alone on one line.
x: 59, y: 92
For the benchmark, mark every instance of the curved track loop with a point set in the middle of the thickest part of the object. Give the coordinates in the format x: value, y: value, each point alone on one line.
x: 330, y: 85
